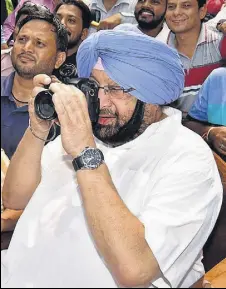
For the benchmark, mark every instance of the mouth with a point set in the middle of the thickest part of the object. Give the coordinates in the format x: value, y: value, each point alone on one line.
x: 178, y: 21
x: 105, y: 119
x: 26, y: 58
x: 146, y: 13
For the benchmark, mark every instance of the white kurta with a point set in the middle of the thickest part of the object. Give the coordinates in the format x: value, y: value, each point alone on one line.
x: 168, y: 179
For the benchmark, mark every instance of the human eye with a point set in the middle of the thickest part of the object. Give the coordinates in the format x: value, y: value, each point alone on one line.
x: 114, y: 88
x: 155, y: 1
x: 187, y: 5
x: 71, y: 20
x: 21, y: 39
x: 171, y: 6
x: 40, y: 44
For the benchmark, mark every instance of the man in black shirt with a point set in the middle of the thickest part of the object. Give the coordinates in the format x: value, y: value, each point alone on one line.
x: 76, y: 17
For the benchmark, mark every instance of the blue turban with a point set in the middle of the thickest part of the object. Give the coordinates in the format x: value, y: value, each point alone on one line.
x: 131, y: 60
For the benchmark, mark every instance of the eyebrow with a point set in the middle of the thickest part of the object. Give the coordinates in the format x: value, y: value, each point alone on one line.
x: 37, y: 38
x: 68, y: 14
x: 109, y: 80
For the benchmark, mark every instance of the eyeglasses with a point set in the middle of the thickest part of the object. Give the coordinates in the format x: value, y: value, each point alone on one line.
x: 116, y: 92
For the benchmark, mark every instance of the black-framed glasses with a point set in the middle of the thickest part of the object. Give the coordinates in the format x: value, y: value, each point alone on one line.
x: 115, y: 91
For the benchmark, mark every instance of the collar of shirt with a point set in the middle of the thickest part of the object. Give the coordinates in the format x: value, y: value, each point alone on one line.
x: 203, y: 37
x: 173, y: 115
x: 7, y: 86
x: 99, y: 4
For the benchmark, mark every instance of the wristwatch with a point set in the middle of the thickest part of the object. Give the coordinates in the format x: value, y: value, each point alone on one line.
x: 89, y: 159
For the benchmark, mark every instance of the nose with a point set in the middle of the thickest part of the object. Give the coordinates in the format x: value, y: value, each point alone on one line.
x: 28, y: 46
x: 177, y: 11
x: 146, y: 4
x: 63, y: 21
x: 105, y: 100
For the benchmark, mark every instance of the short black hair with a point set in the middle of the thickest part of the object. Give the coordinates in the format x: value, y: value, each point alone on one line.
x: 61, y: 32
x: 86, y: 13
x: 30, y: 8
x: 201, y: 3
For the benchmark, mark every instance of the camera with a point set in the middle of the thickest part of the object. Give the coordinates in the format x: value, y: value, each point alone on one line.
x: 44, y: 106
x: 66, y: 72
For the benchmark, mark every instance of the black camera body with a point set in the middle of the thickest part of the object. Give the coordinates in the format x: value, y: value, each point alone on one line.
x: 44, y: 106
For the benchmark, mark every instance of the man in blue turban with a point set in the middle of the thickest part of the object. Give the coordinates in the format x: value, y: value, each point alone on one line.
x: 146, y: 68
x: 132, y: 210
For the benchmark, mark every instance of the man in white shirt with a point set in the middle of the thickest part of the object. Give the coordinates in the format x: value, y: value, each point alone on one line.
x: 149, y: 19
x: 114, y: 12
x: 150, y: 16
x: 146, y: 193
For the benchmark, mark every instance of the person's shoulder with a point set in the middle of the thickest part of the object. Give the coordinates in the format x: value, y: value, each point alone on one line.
x: 128, y: 27
x: 218, y: 73
x: 189, y: 146
x: 212, y: 34
x: 3, y: 81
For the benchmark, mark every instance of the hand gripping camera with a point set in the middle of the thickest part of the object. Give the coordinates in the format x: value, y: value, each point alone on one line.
x: 44, y: 106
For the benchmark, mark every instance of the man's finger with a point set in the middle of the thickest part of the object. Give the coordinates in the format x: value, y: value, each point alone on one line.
x: 41, y: 80
x: 54, y: 79
x: 36, y: 90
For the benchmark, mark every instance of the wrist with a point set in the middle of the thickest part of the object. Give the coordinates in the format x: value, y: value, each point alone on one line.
x: 39, y: 134
x: 207, y: 136
x: 76, y: 152
x: 211, y: 134
x: 220, y: 23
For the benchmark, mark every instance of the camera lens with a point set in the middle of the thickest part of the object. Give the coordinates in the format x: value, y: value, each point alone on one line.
x: 68, y: 70
x: 44, y: 106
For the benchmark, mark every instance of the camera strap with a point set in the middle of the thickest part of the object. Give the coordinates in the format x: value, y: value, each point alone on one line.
x: 129, y: 130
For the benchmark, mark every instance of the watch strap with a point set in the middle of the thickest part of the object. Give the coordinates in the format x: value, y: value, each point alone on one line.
x: 78, y: 163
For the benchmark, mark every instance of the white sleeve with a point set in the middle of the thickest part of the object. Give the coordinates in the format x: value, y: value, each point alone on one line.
x: 180, y: 213
x: 51, y: 154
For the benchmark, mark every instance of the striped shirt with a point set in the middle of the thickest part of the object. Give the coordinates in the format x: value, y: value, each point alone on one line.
x: 207, y: 57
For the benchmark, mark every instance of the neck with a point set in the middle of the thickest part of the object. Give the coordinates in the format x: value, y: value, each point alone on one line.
x: 186, y: 42
x: 108, y: 4
x: 151, y: 32
x: 22, y: 88
x: 72, y: 50
x: 151, y: 114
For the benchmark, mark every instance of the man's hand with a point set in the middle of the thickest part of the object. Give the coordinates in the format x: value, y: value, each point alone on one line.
x: 40, y: 127
x: 4, y: 46
x: 72, y: 109
x: 217, y: 137
x: 9, y: 219
x: 110, y: 22
x: 222, y: 27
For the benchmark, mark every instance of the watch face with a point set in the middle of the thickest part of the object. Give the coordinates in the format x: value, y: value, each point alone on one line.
x: 92, y: 158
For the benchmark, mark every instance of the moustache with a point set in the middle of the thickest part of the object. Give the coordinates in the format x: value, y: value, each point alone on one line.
x: 107, y: 113
x: 146, y: 10
x: 28, y: 56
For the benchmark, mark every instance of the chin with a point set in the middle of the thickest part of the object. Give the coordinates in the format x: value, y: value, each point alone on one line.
x: 179, y: 29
